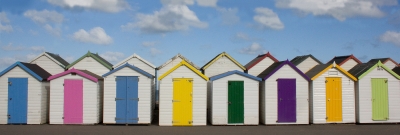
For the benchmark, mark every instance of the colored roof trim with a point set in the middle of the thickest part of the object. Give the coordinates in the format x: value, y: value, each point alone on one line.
x: 37, y: 72
x: 363, y: 69
x: 94, y: 56
x: 131, y: 67
x: 54, y: 57
x: 183, y: 63
x: 396, y: 70
x: 343, y: 59
x: 383, y: 60
x: 278, y: 65
x: 175, y: 57
x: 134, y: 56
x: 299, y: 59
x: 216, y: 77
x: 218, y: 57
x: 259, y: 58
x: 91, y: 77
x: 315, y: 72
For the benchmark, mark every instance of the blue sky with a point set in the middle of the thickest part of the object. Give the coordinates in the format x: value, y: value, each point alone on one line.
x: 199, y: 29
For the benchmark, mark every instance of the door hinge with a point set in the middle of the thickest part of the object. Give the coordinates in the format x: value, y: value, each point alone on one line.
x: 386, y: 81
x: 135, y: 119
x: 62, y: 117
x: 175, y: 121
x: 190, y: 122
x: 326, y: 118
x: 9, y: 83
x: 9, y: 116
x: 118, y: 99
x: 63, y: 85
x: 117, y: 118
x: 134, y: 99
x: 326, y: 81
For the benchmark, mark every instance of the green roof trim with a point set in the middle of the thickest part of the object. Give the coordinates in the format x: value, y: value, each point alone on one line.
x: 381, y: 65
x: 94, y: 56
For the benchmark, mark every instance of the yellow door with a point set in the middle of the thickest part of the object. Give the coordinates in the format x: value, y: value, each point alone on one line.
x: 333, y: 99
x: 182, y: 102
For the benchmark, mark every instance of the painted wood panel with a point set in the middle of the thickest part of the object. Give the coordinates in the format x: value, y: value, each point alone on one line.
x: 307, y: 64
x: 182, y: 114
x: 235, y: 102
x: 261, y: 66
x: 17, y: 100
x: 168, y: 66
x: 73, y: 101
x: 222, y: 65
x: 333, y: 99
x: 286, y: 100
x: 90, y: 64
x: 348, y: 64
x: 140, y: 64
x: 380, y: 104
x: 47, y: 64
x: 390, y: 64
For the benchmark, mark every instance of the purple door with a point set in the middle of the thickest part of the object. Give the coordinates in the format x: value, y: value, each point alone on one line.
x: 286, y: 100
x: 73, y: 101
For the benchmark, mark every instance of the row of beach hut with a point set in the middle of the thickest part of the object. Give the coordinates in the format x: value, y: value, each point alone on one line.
x: 223, y: 92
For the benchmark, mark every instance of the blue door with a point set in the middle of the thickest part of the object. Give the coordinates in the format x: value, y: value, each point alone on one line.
x: 127, y: 100
x: 17, y: 100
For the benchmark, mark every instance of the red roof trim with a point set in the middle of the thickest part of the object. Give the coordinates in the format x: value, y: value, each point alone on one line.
x: 390, y: 59
x: 265, y: 55
x: 348, y: 58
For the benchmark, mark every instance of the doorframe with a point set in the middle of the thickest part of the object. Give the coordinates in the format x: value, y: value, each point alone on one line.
x: 227, y: 100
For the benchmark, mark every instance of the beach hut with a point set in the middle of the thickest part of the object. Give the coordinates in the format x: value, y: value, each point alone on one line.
x: 305, y: 62
x: 259, y: 64
x: 138, y: 62
x: 128, y: 96
x: 377, y: 93
x: 76, y: 97
x: 346, y: 62
x: 51, y: 62
x: 172, y: 62
x: 332, y: 94
x: 183, y: 96
x: 388, y: 62
x: 91, y: 62
x: 23, y: 94
x: 284, y: 95
x: 233, y: 99
x: 221, y: 63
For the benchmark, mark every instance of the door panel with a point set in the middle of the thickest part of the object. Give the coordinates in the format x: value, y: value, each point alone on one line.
x: 235, y: 102
x: 121, y: 100
x: 333, y: 99
x: 286, y: 100
x: 380, y: 104
x: 182, y: 102
x: 17, y: 100
x: 73, y: 101
x: 132, y: 102
x: 127, y: 100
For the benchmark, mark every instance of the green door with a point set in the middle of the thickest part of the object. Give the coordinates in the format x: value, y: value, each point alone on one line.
x: 235, y: 102
x: 380, y: 104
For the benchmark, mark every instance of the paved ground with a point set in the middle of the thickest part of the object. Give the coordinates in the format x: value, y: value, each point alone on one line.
x: 333, y: 129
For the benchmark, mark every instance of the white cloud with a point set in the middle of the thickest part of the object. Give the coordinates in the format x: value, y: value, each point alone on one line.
x: 11, y: 47
x: 228, y: 15
x: 154, y: 51
x: 70, y: 59
x: 3, y: 17
x: 339, y: 9
x: 204, y: 3
x: 254, y: 48
x: 37, y: 48
x: 111, y: 6
x: 44, y: 16
x: 169, y: 18
x: 53, y: 31
x: 8, y: 61
x: 148, y: 43
x: 207, y: 3
x: 267, y: 19
x: 113, y: 57
x: 5, y: 27
x: 391, y: 37
x: 238, y: 37
x: 96, y: 35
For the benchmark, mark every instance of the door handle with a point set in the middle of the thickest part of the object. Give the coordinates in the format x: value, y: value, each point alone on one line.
x: 280, y: 99
x: 329, y: 99
x: 10, y: 98
x: 9, y: 116
x: 229, y: 102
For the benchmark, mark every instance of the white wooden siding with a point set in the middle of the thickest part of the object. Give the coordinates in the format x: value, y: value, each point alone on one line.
x: 390, y: 64
x: 365, y: 97
x: 348, y: 64
x: 221, y: 65
x: 145, y: 95
x: 91, y: 99
x: 307, y: 64
x: 90, y: 64
x: 271, y: 96
x: 168, y: 66
x: 319, y: 98
x: 47, y: 64
x: 219, y: 110
x: 35, y: 110
x: 260, y: 66
x: 199, y: 97
x: 140, y: 64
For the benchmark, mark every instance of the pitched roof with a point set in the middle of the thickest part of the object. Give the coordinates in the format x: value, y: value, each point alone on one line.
x: 131, y: 67
x: 299, y: 59
x: 396, y: 70
x: 218, y: 57
x: 216, y: 77
x: 383, y: 60
x: 84, y: 73
x: 32, y: 69
x: 361, y: 70
x: 320, y: 69
x: 54, y: 57
x: 99, y: 59
x: 134, y: 56
x: 175, y: 57
x: 276, y: 66
x: 183, y: 63
x: 259, y: 58
x: 340, y: 60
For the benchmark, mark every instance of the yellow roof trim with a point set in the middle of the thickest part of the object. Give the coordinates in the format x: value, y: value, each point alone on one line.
x: 229, y: 57
x: 183, y: 63
x: 339, y: 68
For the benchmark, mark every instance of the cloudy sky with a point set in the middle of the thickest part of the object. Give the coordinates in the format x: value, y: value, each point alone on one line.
x: 199, y: 29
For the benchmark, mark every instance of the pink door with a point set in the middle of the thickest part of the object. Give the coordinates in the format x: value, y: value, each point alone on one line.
x: 73, y: 101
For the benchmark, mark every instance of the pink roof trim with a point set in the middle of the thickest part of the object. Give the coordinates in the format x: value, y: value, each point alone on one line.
x: 73, y: 70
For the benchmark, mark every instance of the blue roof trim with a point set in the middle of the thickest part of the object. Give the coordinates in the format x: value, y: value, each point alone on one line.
x: 26, y: 69
x: 130, y: 66
x: 216, y: 77
x: 291, y: 65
